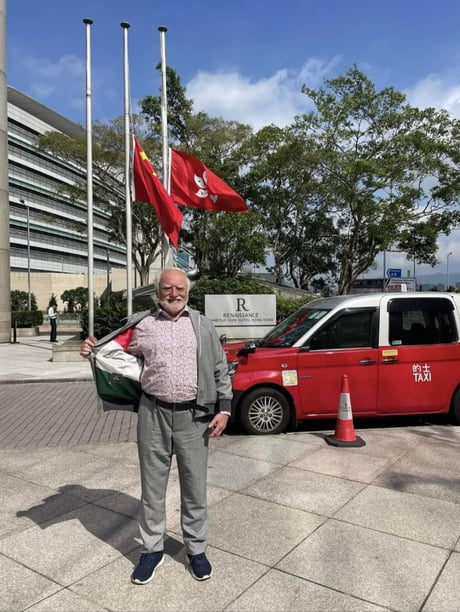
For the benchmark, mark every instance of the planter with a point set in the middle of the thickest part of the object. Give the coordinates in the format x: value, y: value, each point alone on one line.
x: 27, y: 332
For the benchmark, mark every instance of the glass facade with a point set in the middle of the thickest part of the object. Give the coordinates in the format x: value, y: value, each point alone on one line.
x: 57, y: 225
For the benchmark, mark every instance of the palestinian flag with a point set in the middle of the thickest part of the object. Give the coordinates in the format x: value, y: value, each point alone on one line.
x: 116, y: 373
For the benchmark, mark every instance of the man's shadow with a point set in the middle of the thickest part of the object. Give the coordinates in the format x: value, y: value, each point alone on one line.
x: 113, y: 524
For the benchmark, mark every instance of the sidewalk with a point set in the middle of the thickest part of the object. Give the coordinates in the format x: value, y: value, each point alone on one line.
x: 295, y: 524
x: 29, y: 360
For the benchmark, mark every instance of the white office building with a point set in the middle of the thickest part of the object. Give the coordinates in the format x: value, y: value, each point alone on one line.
x: 48, y: 234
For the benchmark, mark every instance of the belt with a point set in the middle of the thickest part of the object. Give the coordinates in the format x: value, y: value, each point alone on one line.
x: 171, y: 405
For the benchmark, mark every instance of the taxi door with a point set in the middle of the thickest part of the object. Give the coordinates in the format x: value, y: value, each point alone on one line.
x: 345, y: 344
x: 418, y: 366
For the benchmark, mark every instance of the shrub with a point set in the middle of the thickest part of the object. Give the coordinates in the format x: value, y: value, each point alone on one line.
x: 20, y: 300
x: 26, y: 318
x: 286, y: 306
x: 109, y: 317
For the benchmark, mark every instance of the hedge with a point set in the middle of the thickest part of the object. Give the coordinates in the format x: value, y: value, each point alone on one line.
x: 27, y: 318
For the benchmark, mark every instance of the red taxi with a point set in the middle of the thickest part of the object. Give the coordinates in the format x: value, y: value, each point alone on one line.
x: 400, y: 351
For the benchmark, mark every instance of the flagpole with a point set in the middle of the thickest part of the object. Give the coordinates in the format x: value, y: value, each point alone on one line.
x: 129, y: 230
x: 165, y: 248
x: 89, y: 179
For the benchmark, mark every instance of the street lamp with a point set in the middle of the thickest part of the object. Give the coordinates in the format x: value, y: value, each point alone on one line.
x: 447, y: 270
x: 29, y: 301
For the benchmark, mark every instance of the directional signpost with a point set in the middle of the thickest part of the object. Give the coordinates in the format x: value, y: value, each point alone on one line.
x: 394, y: 272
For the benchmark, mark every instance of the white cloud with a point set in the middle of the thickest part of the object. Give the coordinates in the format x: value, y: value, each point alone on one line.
x: 274, y: 99
x: 54, y: 78
x: 436, y: 91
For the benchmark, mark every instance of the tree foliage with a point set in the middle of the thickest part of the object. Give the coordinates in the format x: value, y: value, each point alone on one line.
x: 376, y: 157
x: 361, y: 173
x: 109, y: 189
x: 220, y: 243
x: 20, y: 300
x: 75, y: 299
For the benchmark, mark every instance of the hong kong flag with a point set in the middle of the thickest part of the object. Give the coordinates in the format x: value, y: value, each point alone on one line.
x: 192, y: 184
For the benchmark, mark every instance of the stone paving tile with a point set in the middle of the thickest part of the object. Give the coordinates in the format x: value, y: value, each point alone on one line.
x: 68, y: 471
x: 383, y: 569
x: 280, y: 592
x: 22, y: 504
x: 432, y: 521
x: 234, y: 472
x: 318, y: 493
x: 273, y: 448
x: 76, y: 543
x: 430, y: 469
x: 257, y: 529
x: 173, y: 588
x: 445, y: 595
x: 66, y: 601
x: 21, y: 587
x: 343, y: 463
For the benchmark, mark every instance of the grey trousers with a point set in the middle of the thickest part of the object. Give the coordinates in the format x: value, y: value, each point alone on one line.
x: 160, y: 433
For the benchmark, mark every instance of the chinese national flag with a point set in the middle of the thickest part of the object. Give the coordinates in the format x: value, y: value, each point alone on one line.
x: 192, y: 184
x: 149, y: 188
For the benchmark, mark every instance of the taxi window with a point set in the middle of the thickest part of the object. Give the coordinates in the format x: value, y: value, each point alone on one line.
x: 351, y: 329
x: 421, y: 321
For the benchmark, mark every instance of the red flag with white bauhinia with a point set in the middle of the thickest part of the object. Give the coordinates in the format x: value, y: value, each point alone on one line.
x: 193, y: 184
x: 149, y: 188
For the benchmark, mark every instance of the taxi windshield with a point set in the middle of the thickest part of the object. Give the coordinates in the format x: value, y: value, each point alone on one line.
x: 293, y: 328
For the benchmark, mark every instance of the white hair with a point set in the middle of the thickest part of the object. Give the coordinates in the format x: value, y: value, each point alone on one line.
x: 160, y: 274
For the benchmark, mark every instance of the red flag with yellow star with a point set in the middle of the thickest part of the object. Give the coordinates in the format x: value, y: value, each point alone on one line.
x: 149, y: 188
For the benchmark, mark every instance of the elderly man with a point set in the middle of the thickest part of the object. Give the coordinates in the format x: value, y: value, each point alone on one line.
x: 186, y: 400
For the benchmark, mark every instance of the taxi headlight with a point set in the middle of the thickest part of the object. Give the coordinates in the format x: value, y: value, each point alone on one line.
x: 232, y: 365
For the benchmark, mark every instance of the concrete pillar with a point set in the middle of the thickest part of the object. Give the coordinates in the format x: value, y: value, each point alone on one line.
x: 5, y: 306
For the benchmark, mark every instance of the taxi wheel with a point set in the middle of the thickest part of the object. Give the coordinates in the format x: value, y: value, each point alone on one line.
x: 454, y: 412
x: 264, y: 411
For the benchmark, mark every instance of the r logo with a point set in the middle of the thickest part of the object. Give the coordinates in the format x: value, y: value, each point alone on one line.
x: 240, y: 304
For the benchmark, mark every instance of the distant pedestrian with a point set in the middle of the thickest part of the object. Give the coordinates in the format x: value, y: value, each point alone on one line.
x: 52, y: 314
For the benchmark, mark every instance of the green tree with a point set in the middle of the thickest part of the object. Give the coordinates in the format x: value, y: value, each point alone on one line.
x: 218, y: 143
x: 20, y: 300
x: 376, y: 158
x: 108, y: 188
x: 75, y: 299
x: 282, y: 186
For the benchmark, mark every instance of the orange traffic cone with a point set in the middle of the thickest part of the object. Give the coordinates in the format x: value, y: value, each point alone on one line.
x: 344, y: 430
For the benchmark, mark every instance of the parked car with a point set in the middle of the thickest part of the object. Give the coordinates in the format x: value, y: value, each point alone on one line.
x: 400, y: 351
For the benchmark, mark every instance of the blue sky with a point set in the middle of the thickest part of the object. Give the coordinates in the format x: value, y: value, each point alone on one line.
x: 239, y: 59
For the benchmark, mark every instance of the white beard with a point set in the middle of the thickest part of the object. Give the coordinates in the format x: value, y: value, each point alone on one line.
x: 173, y: 306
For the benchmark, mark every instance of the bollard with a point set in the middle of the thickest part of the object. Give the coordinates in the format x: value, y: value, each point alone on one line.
x: 14, y: 332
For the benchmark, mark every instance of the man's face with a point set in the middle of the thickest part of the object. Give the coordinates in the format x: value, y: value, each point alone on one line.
x: 173, y: 292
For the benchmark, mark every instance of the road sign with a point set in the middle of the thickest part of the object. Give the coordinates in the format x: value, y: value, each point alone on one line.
x: 394, y: 272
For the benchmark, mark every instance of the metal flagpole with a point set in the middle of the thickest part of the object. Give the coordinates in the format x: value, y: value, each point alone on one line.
x: 129, y: 229
x: 165, y: 247
x: 89, y: 179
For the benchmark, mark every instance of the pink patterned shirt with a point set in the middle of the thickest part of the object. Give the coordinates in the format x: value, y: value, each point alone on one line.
x: 169, y: 350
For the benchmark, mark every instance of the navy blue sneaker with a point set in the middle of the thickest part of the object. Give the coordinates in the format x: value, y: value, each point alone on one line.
x: 145, y: 570
x: 200, y: 567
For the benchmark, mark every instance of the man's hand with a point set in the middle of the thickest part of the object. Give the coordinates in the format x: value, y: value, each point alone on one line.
x: 217, y: 425
x: 87, y: 346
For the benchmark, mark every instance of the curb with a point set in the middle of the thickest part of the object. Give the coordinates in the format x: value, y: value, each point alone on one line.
x: 67, y: 379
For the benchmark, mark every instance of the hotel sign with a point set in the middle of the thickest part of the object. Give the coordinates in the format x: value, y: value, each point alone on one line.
x: 255, y: 313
